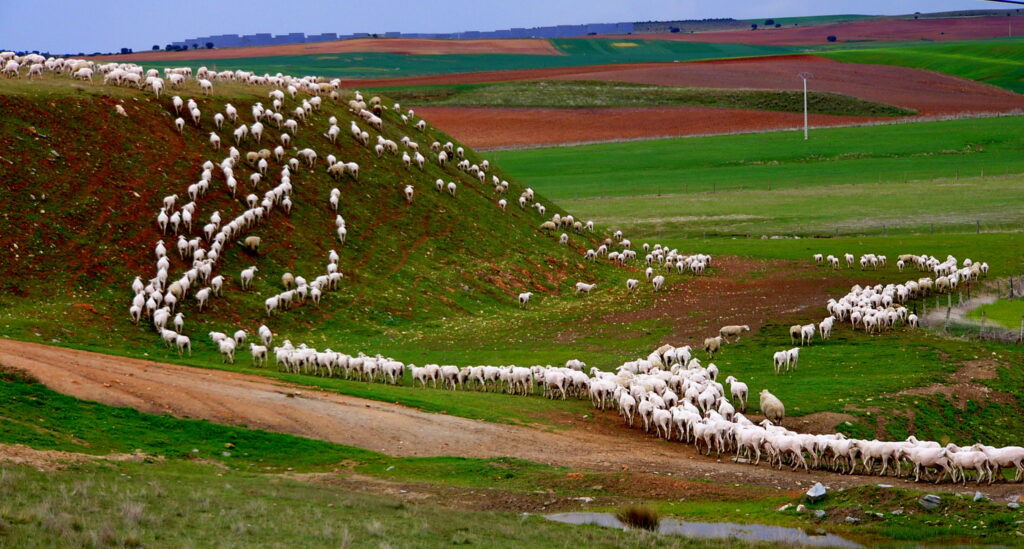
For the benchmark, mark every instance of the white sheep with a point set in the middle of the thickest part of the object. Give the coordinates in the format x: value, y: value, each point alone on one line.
x: 409, y: 191
x: 712, y: 345
x: 247, y: 277
x: 733, y: 331
x: 632, y: 284
x: 772, y: 407
x: 583, y: 287
x: 658, y: 282
x: 524, y: 299
x: 226, y: 347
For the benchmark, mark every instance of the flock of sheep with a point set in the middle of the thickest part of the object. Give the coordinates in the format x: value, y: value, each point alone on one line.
x: 669, y: 392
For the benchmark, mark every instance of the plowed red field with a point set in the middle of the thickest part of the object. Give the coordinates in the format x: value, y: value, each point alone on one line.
x: 411, y: 46
x: 490, y: 128
x: 931, y: 94
x: 953, y: 28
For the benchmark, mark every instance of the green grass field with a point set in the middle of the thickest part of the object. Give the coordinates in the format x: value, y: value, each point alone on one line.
x: 781, y: 160
x: 576, y: 52
x: 1006, y: 313
x: 596, y: 94
x: 999, y: 62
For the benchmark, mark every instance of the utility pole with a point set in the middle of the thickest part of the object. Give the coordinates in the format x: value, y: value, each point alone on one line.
x: 805, y: 76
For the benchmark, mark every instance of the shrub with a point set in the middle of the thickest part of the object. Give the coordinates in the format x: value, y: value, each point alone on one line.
x: 831, y: 38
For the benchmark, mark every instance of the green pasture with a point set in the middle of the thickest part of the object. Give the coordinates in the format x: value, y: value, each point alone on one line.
x: 999, y: 62
x: 575, y: 52
x: 1006, y: 313
x: 599, y: 94
x: 894, y: 153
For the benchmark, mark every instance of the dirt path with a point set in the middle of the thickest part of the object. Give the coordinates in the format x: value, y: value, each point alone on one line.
x: 257, y: 402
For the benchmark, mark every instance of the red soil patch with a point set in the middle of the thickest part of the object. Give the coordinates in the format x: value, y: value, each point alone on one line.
x: 485, y: 127
x: 409, y: 46
x: 953, y: 28
x: 931, y: 94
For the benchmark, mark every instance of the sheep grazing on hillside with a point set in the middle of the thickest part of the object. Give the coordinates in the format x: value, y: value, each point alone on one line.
x: 409, y: 191
x: 658, y: 282
x: 583, y: 287
x: 772, y: 407
x: 632, y: 284
x: 524, y: 299
x: 732, y: 331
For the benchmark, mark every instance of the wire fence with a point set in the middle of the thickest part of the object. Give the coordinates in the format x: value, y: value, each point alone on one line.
x: 948, y: 313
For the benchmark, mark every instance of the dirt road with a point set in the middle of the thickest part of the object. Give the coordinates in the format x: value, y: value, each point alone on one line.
x: 257, y: 402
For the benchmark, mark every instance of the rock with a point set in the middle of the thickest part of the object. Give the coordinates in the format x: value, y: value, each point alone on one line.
x: 785, y: 507
x: 878, y: 515
x: 978, y: 496
x: 897, y: 512
x: 1013, y: 505
x: 800, y: 508
x: 819, y: 513
x: 816, y: 493
x: 930, y: 502
x: 884, y: 485
x: 852, y: 520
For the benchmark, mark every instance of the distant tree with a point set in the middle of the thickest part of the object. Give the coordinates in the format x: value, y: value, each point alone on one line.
x: 195, y: 45
x: 778, y: 25
x: 156, y: 47
x: 126, y: 50
x: 753, y: 26
x: 209, y: 45
x: 831, y: 38
x: 769, y: 22
x: 169, y: 47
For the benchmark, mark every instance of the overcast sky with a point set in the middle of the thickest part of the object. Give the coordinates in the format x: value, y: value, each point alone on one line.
x: 107, y: 25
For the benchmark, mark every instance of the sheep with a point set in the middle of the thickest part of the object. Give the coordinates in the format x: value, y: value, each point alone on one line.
x: 259, y: 354
x: 738, y: 391
x: 247, y: 277
x: 215, y: 141
x: 795, y: 333
x: 632, y: 284
x: 179, y: 123
x: 252, y: 243
x: 266, y: 336
x: 658, y: 282
x: 288, y: 281
x: 712, y: 345
x: 793, y: 358
x: 548, y: 226
x: 451, y: 188
x: 524, y: 299
x: 772, y: 407
x: 913, y: 321
x: 563, y: 239
x: 409, y: 191
x: 583, y: 287
x: 202, y: 296
x: 226, y: 347
x: 502, y: 204
x: 732, y: 331
x: 807, y: 334
x: 780, y: 360
x: 182, y: 342
x: 239, y: 337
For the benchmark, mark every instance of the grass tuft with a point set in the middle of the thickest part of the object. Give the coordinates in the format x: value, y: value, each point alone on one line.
x: 639, y: 516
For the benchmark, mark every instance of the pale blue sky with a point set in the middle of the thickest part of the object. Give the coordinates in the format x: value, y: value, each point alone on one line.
x: 106, y: 25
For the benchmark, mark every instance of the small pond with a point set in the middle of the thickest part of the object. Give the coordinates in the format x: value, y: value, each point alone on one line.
x: 716, y: 530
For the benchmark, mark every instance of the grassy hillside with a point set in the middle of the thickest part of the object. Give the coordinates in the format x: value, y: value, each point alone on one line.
x: 578, y: 52
x: 83, y: 185
x: 596, y: 93
x: 997, y: 62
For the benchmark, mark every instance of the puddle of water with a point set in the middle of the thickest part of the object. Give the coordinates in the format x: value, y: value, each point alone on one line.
x: 748, y: 532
